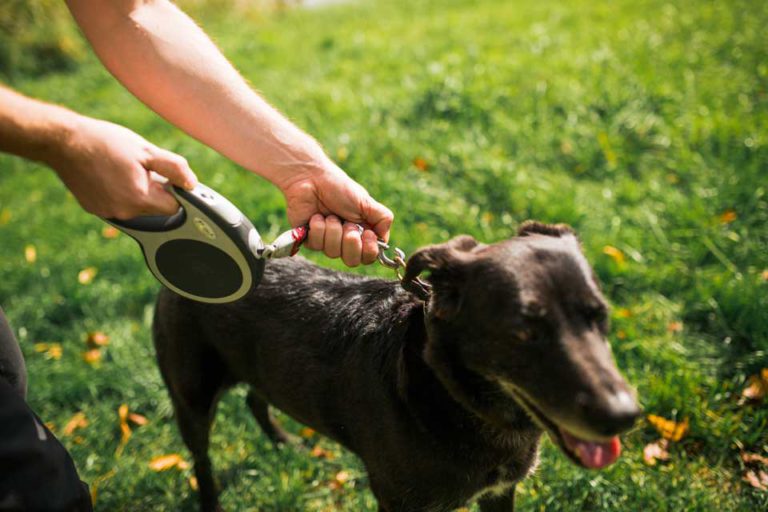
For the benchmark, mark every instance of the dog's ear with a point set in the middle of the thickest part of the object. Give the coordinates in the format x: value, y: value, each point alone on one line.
x: 445, y: 263
x: 530, y: 227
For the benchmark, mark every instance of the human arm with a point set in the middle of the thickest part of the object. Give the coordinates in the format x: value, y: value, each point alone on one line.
x: 107, y: 167
x: 168, y: 62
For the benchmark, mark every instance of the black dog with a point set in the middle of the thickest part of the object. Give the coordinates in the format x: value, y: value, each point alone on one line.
x: 444, y: 401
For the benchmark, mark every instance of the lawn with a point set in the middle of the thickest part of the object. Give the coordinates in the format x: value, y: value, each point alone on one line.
x: 643, y: 124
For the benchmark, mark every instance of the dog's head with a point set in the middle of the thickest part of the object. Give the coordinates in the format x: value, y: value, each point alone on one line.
x: 527, y: 316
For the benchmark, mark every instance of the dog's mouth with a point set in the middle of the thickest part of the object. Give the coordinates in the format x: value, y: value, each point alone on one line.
x: 588, y: 453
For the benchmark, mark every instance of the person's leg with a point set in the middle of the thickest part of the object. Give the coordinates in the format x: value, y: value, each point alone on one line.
x: 36, y: 472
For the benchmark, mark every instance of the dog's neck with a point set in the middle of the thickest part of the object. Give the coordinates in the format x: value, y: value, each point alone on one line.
x: 445, y: 396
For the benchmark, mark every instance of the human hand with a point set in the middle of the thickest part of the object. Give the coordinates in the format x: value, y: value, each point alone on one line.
x: 113, y: 172
x: 323, y: 200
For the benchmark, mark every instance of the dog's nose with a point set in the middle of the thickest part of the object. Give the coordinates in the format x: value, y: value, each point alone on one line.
x: 614, y: 413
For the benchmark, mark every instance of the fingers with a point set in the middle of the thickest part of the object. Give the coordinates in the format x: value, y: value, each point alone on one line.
x: 347, y: 240
x: 172, y: 166
x: 332, y: 238
x: 351, y: 244
x: 159, y: 201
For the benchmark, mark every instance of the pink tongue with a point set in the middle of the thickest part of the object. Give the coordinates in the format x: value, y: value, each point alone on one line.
x: 593, y: 454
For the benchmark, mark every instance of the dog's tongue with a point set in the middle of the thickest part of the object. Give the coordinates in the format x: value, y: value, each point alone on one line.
x: 593, y: 454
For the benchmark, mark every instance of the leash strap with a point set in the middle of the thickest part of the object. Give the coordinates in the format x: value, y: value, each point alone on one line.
x: 288, y: 244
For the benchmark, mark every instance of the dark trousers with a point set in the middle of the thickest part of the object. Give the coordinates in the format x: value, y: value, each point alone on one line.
x: 36, y: 472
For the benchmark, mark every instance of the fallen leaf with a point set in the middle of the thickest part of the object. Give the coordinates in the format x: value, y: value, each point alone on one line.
x: 138, y: 419
x: 675, y: 326
x: 86, y: 275
x: 92, y: 356
x: 342, y: 477
x: 320, y: 452
x: 193, y: 483
x: 421, y: 164
x: 96, y: 339
x: 51, y: 426
x: 623, y: 313
x: 622, y: 335
x: 30, y: 254
x: 764, y: 275
x: 754, y: 458
x: 307, y: 433
x: 5, y: 216
x: 165, y: 462
x: 110, y: 232
x: 728, y: 216
x: 757, y: 386
x: 669, y: 429
x: 615, y: 254
x: 757, y: 479
x: 656, y: 451
x: 78, y: 420
x: 50, y: 350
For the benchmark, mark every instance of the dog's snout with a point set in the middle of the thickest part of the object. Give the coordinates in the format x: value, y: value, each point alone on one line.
x: 613, y: 413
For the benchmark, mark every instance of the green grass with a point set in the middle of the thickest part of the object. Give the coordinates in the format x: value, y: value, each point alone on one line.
x: 639, y: 123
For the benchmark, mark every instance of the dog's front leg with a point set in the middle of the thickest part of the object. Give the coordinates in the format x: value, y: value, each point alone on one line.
x: 503, y: 503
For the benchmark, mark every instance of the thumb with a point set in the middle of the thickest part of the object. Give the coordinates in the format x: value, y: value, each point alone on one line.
x: 160, y: 201
x: 172, y: 166
x: 380, y: 218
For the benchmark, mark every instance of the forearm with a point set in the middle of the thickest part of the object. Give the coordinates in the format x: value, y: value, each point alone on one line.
x: 161, y: 56
x: 33, y: 129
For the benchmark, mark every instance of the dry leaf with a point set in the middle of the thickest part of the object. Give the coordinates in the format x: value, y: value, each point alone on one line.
x: 86, y: 275
x: 421, y: 164
x: 193, y: 483
x: 757, y: 479
x: 615, y: 254
x: 30, y: 254
x: 754, y: 458
x: 623, y: 313
x: 96, y: 339
x: 675, y: 326
x: 307, y: 433
x: 622, y: 335
x: 75, y: 422
x: 654, y: 452
x: 92, y: 356
x: 165, y: 462
x: 757, y: 386
x: 51, y: 350
x: 110, y: 232
x: 138, y: 419
x: 342, y: 477
x: 728, y: 216
x: 5, y: 216
x: 669, y: 429
x: 320, y: 452
x: 764, y: 275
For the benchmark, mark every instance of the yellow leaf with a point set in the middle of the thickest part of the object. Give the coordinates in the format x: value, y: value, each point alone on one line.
x: 623, y: 313
x: 764, y: 275
x: 342, y: 477
x: 51, y: 350
x: 675, y: 326
x: 5, y: 216
x: 757, y: 386
x: 307, y: 433
x: 122, y: 413
x: 165, y: 462
x: 96, y: 339
x: 728, y: 216
x: 78, y: 420
x: 421, y: 164
x: 92, y: 356
x: 86, y: 275
x: 138, y: 419
x: 615, y: 254
x: 342, y: 153
x: 621, y: 334
x: 193, y: 483
x: 654, y: 452
x: 110, y: 232
x: 30, y: 254
x: 669, y: 429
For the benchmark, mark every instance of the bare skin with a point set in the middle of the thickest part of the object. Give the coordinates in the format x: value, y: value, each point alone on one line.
x: 163, y: 58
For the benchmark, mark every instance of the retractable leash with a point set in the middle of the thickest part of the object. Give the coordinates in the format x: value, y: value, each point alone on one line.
x: 210, y: 252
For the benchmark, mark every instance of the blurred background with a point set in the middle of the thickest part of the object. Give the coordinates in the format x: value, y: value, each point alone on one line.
x: 642, y: 123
